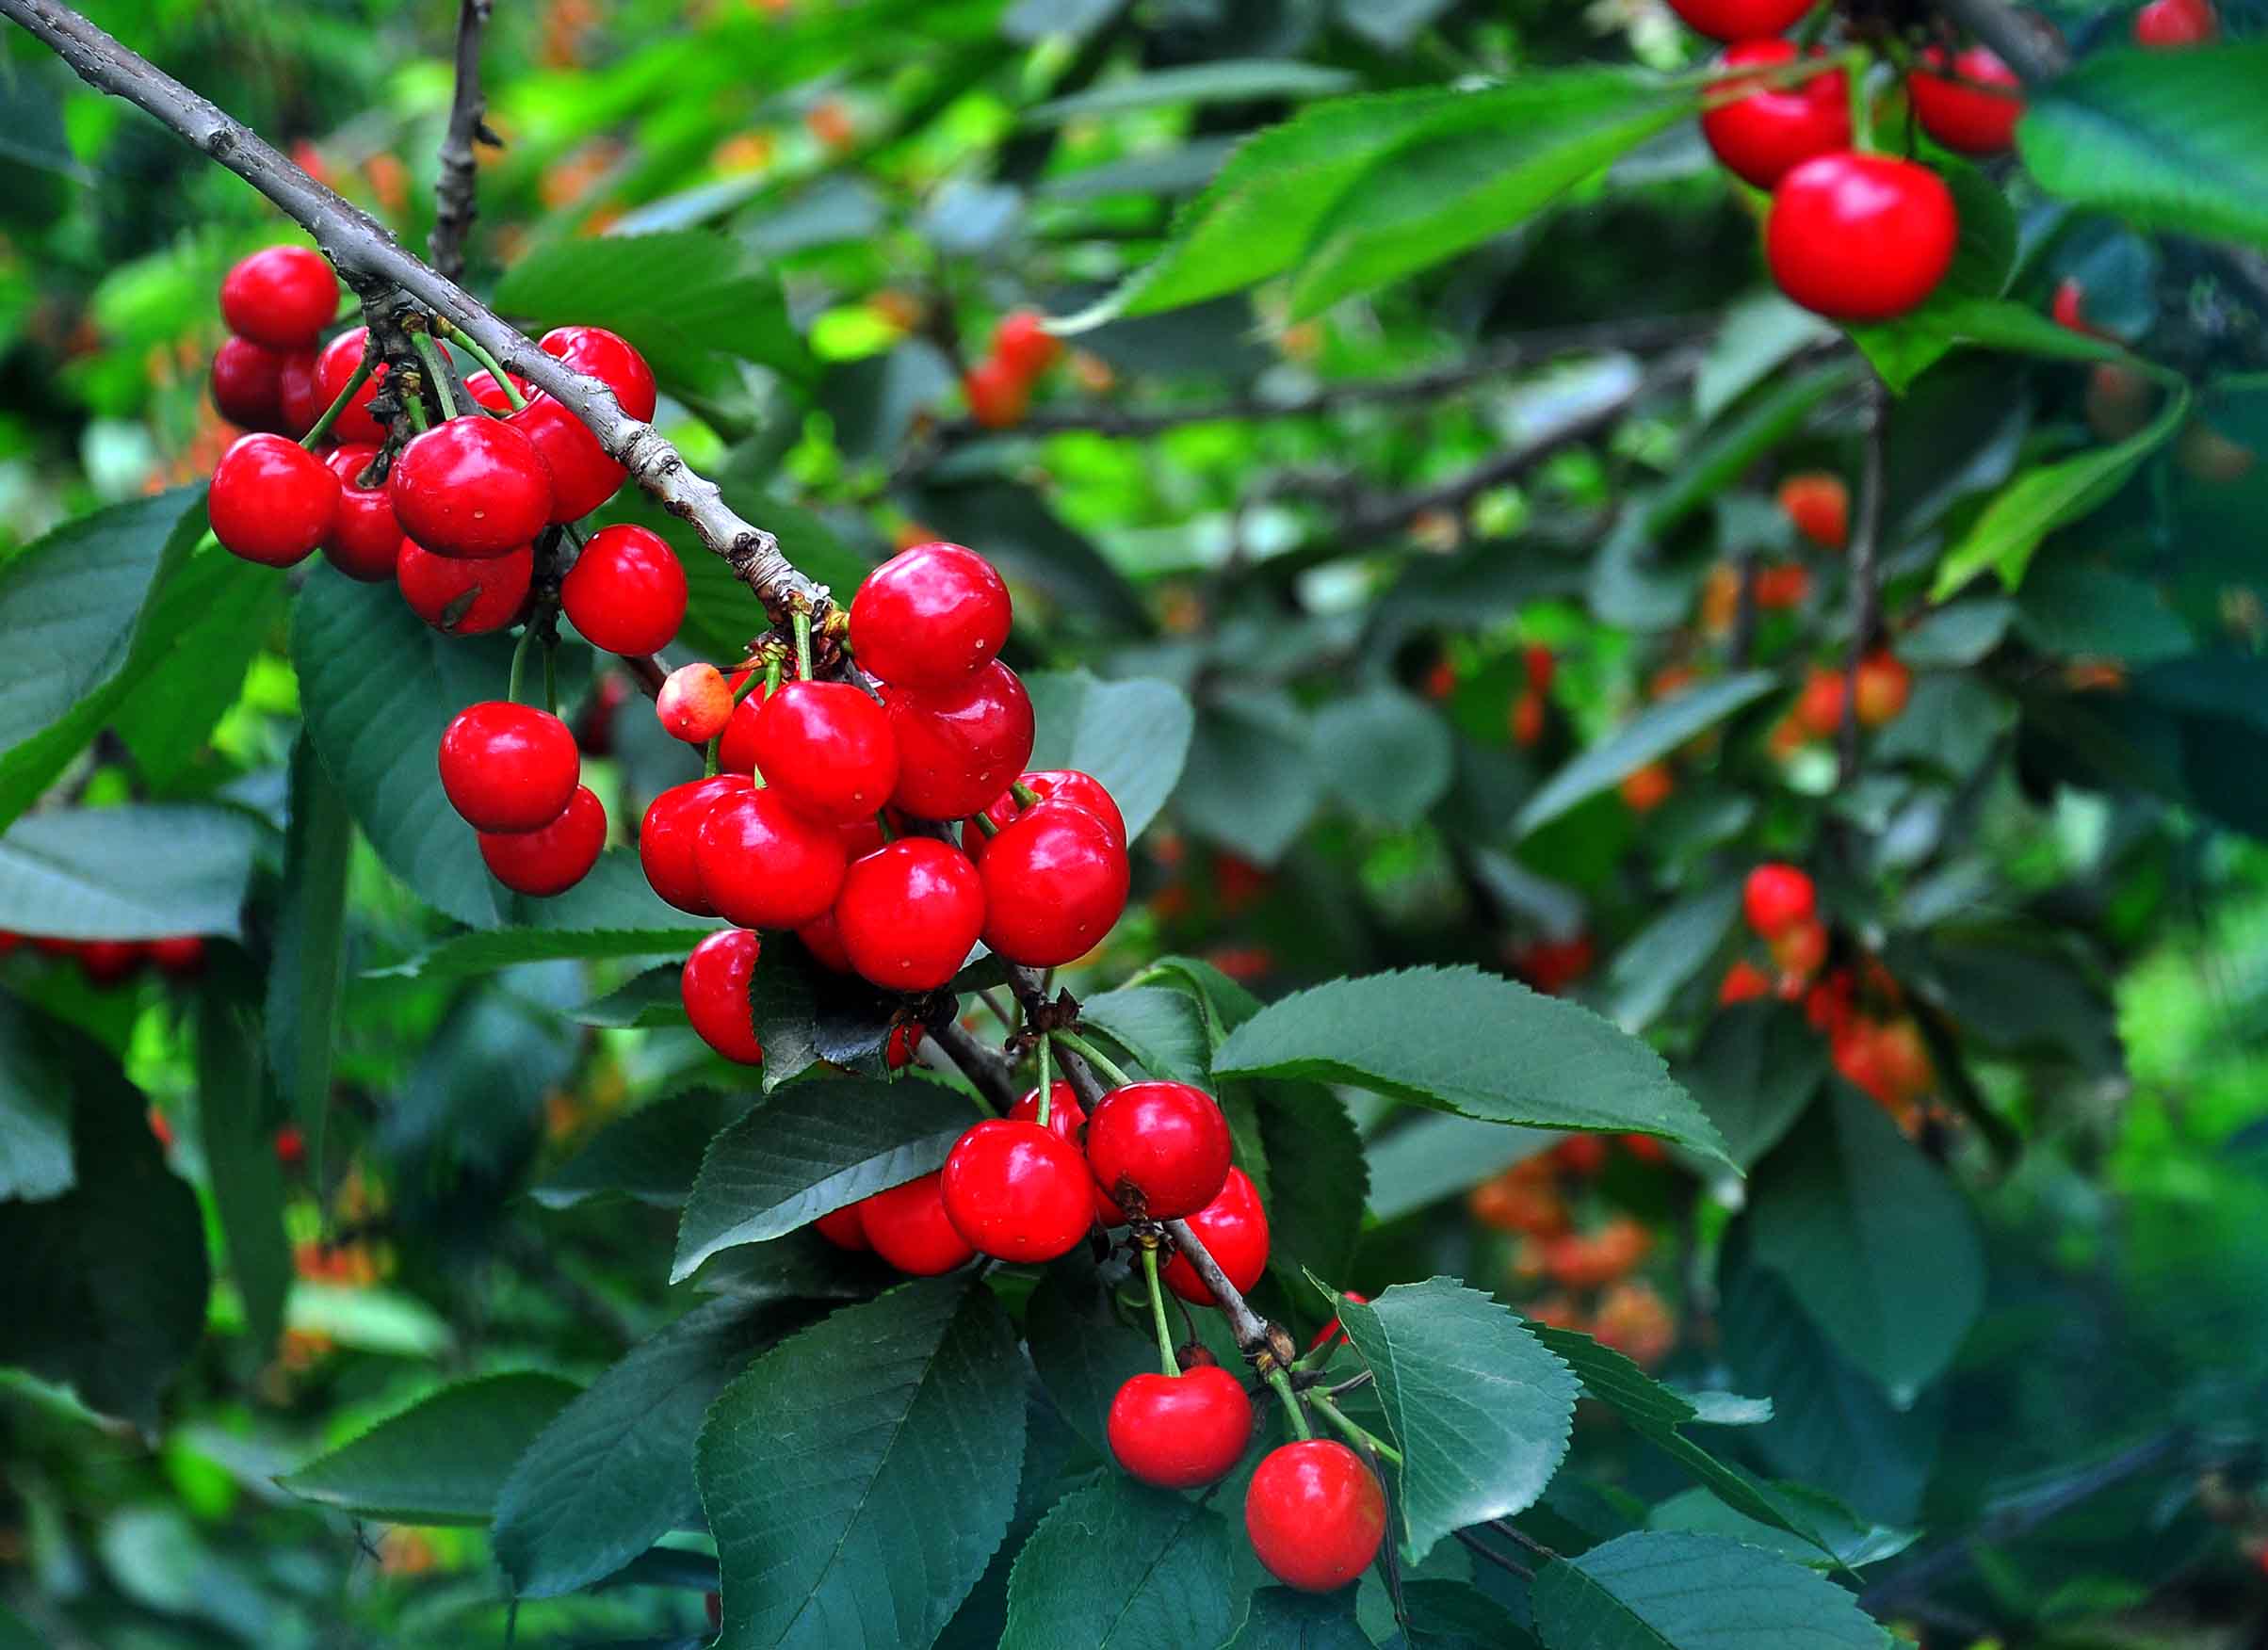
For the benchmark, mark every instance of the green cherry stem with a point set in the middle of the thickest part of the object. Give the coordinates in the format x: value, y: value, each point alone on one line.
x: 771, y: 675
x: 984, y: 823
x: 1094, y: 1057
x: 551, y: 675
x: 456, y: 336
x: 802, y: 644
x: 1024, y: 794
x: 438, y: 370
x: 1355, y: 1433
x: 1281, y: 1383
x: 1047, y: 1100
x: 710, y: 757
x: 748, y: 683
x: 1149, y: 1275
x: 882, y: 819
x: 519, y: 664
x: 363, y: 369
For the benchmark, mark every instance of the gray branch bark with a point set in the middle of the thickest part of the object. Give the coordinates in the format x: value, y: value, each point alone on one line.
x: 456, y: 197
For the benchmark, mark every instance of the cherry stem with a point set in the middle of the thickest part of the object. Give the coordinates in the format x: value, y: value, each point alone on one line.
x: 1093, y: 1056
x: 363, y: 369
x: 437, y: 369
x: 802, y: 644
x: 1862, y: 111
x: 984, y: 823
x: 710, y: 757
x: 458, y: 336
x: 1024, y: 794
x: 986, y: 998
x: 1046, y: 1103
x: 771, y: 677
x: 1149, y: 1275
x: 551, y: 675
x: 519, y: 665
x: 1356, y: 1434
x: 882, y: 819
x: 1281, y: 1383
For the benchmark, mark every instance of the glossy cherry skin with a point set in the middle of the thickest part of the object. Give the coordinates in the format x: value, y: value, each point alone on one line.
x: 671, y: 831
x: 909, y: 912
x: 365, y: 541
x: 486, y: 392
x: 821, y: 936
x: 626, y: 591
x: 1763, y: 135
x: 844, y: 1228
x: 763, y: 864
x: 1777, y: 896
x: 959, y: 746
x: 694, y: 704
x: 828, y: 749
x: 1051, y: 785
x: 930, y: 616
x: 470, y: 486
x: 1068, y: 1118
x: 463, y: 598
x: 508, y: 766
x: 108, y: 961
x: 1739, y: 20
x: 582, y: 476
x: 553, y: 858
x: 1861, y: 237
x: 300, y: 392
x: 1159, y: 1149
x: 1315, y: 1514
x: 333, y: 369
x: 1017, y: 1193
x: 609, y: 358
x: 247, y: 383
x: 1958, y: 110
x: 714, y: 985
x: 907, y: 1226
x: 283, y: 296
x: 1234, y: 1230
x: 2165, y: 25
x: 1023, y: 344
x: 271, y: 500
x: 181, y: 956
x: 1055, y: 881
x: 736, y: 748
x: 1180, y: 1431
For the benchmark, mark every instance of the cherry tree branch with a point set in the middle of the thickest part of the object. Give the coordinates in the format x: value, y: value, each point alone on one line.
x: 457, y: 199
x: 367, y: 256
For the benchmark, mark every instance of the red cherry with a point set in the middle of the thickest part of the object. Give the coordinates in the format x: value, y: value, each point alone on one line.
x: 182, y: 956
x: 2165, y: 25
x: 1315, y: 1514
x: 959, y: 746
x: 1765, y: 134
x: 907, y: 1228
x: 626, y: 591
x: 486, y: 393
x: 930, y: 616
x: 1068, y: 1118
x: 300, y: 393
x: 509, y: 767
x: 1180, y: 1431
x: 1052, y: 784
x: 763, y: 864
x: 694, y: 704
x: 1023, y: 346
x: 290, y: 1146
x: 1861, y: 237
x: 1159, y: 1149
x: 1017, y: 1192
x: 463, y: 598
x: 582, y: 476
x: 998, y: 395
x: 898, y: 1053
x: 553, y: 858
x: 714, y: 985
x: 607, y: 357
x: 1055, y: 880
x: 365, y: 539
x: 669, y: 834
x: 247, y: 383
x: 1332, y: 1331
x: 1234, y: 1230
x: 333, y: 369
x: 470, y: 486
x: 1739, y: 20
x: 1777, y: 896
x: 909, y: 913
x: 271, y: 500
x: 1581, y: 1154
x: 283, y: 296
x: 108, y: 961
x: 845, y: 1229
x: 828, y: 749
x: 1957, y: 110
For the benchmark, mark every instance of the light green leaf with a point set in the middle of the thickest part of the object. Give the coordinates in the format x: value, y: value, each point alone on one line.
x: 1133, y: 735
x: 35, y: 1105
x: 1251, y: 782
x: 440, y: 1461
x: 1667, y: 952
x: 1228, y: 80
x: 1161, y: 1028
x: 1758, y: 335
x: 1665, y: 1592
x: 1652, y: 733
x: 1121, y: 1566
x: 206, y: 621
x: 1902, y: 351
x: 1851, y: 1541
x: 140, y: 872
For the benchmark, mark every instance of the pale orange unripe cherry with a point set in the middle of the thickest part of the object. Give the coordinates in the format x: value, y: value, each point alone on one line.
x: 694, y: 704
x: 1884, y: 686
x: 1820, y: 505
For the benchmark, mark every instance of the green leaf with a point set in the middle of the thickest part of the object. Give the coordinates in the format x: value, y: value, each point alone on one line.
x: 1876, y: 1243
x: 1757, y: 1066
x: 1658, y: 959
x: 307, y: 969
x: 35, y: 1105
x: 653, y: 1155
x: 1252, y: 782
x: 1450, y: 1615
x: 612, y: 913
x: 1648, y: 736
x: 651, y: 999
x: 1760, y: 334
x: 1851, y: 1540
x: 1664, y: 1591
x: 1422, y: 1159
x: 1080, y: 1350
x: 1228, y: 80
x: 444, y: 1458
x: 1462, y: 1041
x: 808, y: 1149
x: 1317, y: 1178
x: 206, y: 621
x: 141, y: 872
x: 2077, y: 610
x: 2175, y: 140
x: 1902, y: 351
x: 859, y: 1476
x: 1161, y: 1028
x: 1479, y: 1408
x: 1281, y: 1619
x: 1386, y: 756
x: 1119, y: 1564
x: 1132, y: 734
x: 240, y: 1163
x: 804, y: 1014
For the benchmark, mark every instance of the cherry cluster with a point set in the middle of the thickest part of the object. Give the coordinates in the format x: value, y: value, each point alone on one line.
x: 109, y: 963
x: 998, y: 388
x: 1585, y: 1265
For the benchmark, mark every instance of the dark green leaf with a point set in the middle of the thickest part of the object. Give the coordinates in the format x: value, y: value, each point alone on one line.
x: 1384, y: 755
x: 1667, y: 952
x: 207, y: 622
x: 1652, y: 733
x: 1250, y: 80
x: 1281, y: 1619
x: 141, y: 872
x: 240, y: 1162
x: 1318, y: 1180
x: 307, y: 968
x: 653, y: 997
x: 1851, y: 1540
x: 1757, y: 1068
x: 1161, y: 1028
x: 613, y: 913
x: 1119, y: 1564
x: 2075, y: 610
x: 35, y: 1105
x: 1082, y: 1353
x: 653, y: 1155
x: 1660, y: 1592
x: 444, y: 1458
x: 1252, y: 784
x: 1427, y: 1158
x: 1133, y: 735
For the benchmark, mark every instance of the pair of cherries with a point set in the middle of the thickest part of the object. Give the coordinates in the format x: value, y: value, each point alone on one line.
x: 108, y: 963
x: 998, y: 388
x: 514, y: 774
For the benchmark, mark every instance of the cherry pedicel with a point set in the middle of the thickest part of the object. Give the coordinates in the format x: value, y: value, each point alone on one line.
x: 1315, y: 1514
x: 1055, y: 881
x: 910, y: 914
x: 333, y: 367
x: 1180, y: 1431
x: 271, y: 500
x: 247, y: 383
x: 1861, y: 237
x: 694, y: 704
x: 1023, y: 344
x: 1018, y: 1192
x: 1777, y: 896
x: 959, y: 746
x: 626, y: 591
x: 828, y: 749
x: 669, y: 835
x: 609, y: 358
x: 1159, y: 1149
x: 1065, y: 785
x: 929, y: 616
x: 714, y: 985
x: 283, y: 296
x: 1234, y: 1230
x: 737, y: 750
x: 463, y: 598
x: 908, y: 1227
x: 1973, y: 111
x: 1739, y: 20
x: 763, y: 864
x: 552, y: 858
x: 509, y: 767
x: 582, y: 476
x: 844, y: 1228
x: 1762, y: 135
x: 470, y: 486
x: 365, y: 541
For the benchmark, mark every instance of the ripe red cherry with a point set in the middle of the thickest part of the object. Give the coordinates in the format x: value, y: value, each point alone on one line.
x: 1315, y: 1514
x: 182, y: 956
x: 1957, y: 110
x: 1023, y: 344
x: 607, y: 357
x: 365, y: 539
x: 714, y: 985
x: 553, y: 858
x: 582, y: 476
x: 960, y: 745
x: 509, y: 767
x: 1054, y: 883
x: 300, y: 392
x: 283, y: 296
x: 1052, y: 784
x: 844, y: 1228
x: 1739, y: 20
x: 763, y: 864
x: 106, y: 961
x: 998, y: 395
x: 909, y: 913
x: 828, y: 749
x: 271, y: 500
x: 247, y: 383
x: 669, y: 834
x: 1861, y: 237
x: 2165, y: 25
x: 930, y: 616
x: 1332, y: 1330
x: 1180, y: 1431
x: 1765, y: 134
x: 824, y: 941
x: 1776, y: 896
x: 1159, y: 1149
x: 907, y: 1226
x: 486, y: 392
x: 470, y: 486
x: 463, y: 598
x: 1068, y: 1118
x: 1017, y: 1192
x: 627, y: 591
x: 333, y: 369
x: 1234, y: 1230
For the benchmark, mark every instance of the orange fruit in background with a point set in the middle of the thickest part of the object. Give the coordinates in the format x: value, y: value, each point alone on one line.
x: 1885, y: 684
x: 1647, y: 788
x: 1820, y: 505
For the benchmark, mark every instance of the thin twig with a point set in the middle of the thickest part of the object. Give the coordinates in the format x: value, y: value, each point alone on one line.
x: 1530, y: 1542
x: 1482, y: 1549
x: 1865, y: 583
x: 1248, y: 1326
x: 980, y: 1064
x: 649, y: 670
x: 455, y: 196
x: 2020, y: 42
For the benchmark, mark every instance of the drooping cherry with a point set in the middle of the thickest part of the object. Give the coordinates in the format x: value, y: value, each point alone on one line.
x: 1761, y: 135
x: 1739, y: 20
x: 1055, y: 880
x: 1160, y: 1149
x: 1315, y: 1514
x: 1776, y: 896
x: 959, y: 746
x: 470, y: 486
x: 105, y: 962
x: 2169, y: 25
x: 930, y: 616
x: 1051, y: 785
x: 714, y: 987
x: 1023, y: 344
x: 507, y: 767
x: 907, y: 1226
x: 1180, y: 1431
x: 844, y: 1228
x: 463, y: 598
x: 608, y: 357
x: 909, y: 912
x: 1017, y: 1193
x: 626, y: 591
x: 1818, y: 504
x: 1861, y: 237
x: 582, y: 476
x: 1234, y: 1230
x: 552, y: 858
x: 301, y: 394
x: 669, y: 833
x: 828, y: 749
x: 283, y: 296
x: 1334, y: 1328
x: 365, y: 541
x: 998, y: 395
x: 1974, y: 109
x: 247, y: 383
x: 271, y: 500
x: 763, y: 864
x: 333, y: 367
x: 181, y: 956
